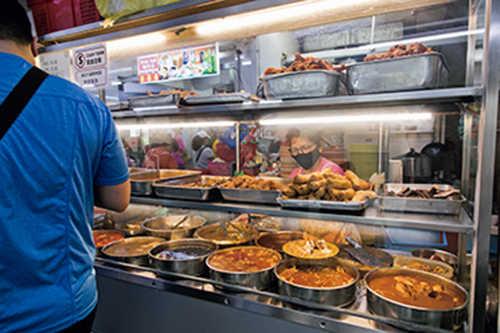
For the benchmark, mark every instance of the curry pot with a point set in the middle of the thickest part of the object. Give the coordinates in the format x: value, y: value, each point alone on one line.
x: 192, y: 266
x: 258, y: 280
x: 338, y: 296
x: 450, y: 319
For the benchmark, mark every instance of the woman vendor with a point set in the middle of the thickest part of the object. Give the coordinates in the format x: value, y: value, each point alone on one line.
x: 306, y: 149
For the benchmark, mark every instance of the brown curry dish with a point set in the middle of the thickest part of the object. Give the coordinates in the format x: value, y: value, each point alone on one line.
x: 416, y: 291
x: 244, y: 260
x: 317, y: 277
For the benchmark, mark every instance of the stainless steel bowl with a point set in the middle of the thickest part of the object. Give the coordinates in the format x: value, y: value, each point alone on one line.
x: 193, y: 266
x: 214, y: 233
x: 276, y: 240
x: 447, y: 257
x: 258, y: 280
x: 450, y: 319
x: 160, y: 226
x: 338, y: 296
x: 132, y: 250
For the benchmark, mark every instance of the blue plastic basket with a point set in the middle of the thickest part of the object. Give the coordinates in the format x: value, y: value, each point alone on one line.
x: 405, y: 239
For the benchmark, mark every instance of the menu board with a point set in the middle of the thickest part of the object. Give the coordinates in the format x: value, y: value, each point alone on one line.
x: 180, y: 64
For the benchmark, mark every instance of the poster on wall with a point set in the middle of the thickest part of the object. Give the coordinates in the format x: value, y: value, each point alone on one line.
x: 179, y: 64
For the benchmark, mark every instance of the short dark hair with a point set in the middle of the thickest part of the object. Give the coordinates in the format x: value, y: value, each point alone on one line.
x: 313, y: 136
x: 14, y: 23
x: 197, y: 142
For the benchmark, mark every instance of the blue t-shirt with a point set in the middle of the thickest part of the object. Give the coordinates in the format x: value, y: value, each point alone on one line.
x: 62, y: 143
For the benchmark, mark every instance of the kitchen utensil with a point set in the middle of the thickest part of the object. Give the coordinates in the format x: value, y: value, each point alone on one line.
x: 416, y: 167
x: 182, y: 221
x: 363, y: 256
x: 160, y: 226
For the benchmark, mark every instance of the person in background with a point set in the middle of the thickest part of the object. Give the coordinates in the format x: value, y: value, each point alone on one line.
x: 201, y: 153
x: 181, y: 164
x: 306, y: 149
x: 49, y: 183
x: 159, y: 156
x: 182, y: 150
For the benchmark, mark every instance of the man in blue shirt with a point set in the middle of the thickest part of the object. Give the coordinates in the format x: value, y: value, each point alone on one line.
x: 61, y: 156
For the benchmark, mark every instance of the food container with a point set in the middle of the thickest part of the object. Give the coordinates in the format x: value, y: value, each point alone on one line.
x: 141, y: 183
x: 156, y: 100
x: 132, y: 250
x: 260, y: 279
x: 105, y: 237
x: 276, y: 240
x: 325, y: 205
x: 423, y: 71
x: 215, y: 233
x: 160, y: 226
x: 450, y: 319
x: 293, y: 249
x: 404, y: 261
x: 337, y: 296
x: 255, y: 196
x: 171, y: 189
x: 436, y: 255
x: 430, y: 206
x: 217, y: 99
x: 134, y: 214
x: 304, y: 84
x: 192, y: 265
x: 133, y: 171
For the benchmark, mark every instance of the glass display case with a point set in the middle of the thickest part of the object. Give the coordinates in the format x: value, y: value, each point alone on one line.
x: 414, y: 127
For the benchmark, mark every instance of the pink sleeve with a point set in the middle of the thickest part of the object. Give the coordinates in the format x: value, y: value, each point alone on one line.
x: 180, y: 143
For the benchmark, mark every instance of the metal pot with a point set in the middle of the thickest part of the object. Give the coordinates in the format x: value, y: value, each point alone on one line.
x: 132, y: 250
x: 416, y: 167
x: 159, y: 226
x: 338, y: 296
x: 258, y: 280
x: 451, y: 319
x: 276, y: 240
x: 192, y: 266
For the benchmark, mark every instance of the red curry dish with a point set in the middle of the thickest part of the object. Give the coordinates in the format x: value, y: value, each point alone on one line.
x: 104, y: 237
x: 317, y: 277
x: 244, y: 259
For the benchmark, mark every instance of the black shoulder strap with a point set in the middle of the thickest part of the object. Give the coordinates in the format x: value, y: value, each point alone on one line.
x: 199, y: 153
x: 16, y: 101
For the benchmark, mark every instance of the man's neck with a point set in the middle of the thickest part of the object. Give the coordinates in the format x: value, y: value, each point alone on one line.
x: 23, y: 51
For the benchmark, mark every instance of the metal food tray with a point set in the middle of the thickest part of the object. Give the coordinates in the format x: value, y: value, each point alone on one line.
x: 429, y: 206
x: 422, y: 71
x: 217, y: 99
x: 327, y: 205
x: 247, y: 195
x: 155, y: 100
x: 168, y: 189
x: 141, y: 183
x: 304, y: 84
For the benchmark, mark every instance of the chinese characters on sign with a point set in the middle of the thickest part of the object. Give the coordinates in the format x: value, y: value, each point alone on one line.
x: 181, y: 64
x: 90, y: 66
x: 56, y: 64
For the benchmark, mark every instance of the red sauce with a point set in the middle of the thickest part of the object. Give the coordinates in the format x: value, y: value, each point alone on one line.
x: 244, y: 260
x: 317, y: 277
x: 102, y: 238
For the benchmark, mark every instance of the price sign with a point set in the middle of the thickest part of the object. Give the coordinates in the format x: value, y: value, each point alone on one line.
x: 91, y: 67
x: 58, y: 64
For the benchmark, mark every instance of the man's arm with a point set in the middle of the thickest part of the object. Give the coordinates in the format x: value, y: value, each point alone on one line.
x: 114, y: 197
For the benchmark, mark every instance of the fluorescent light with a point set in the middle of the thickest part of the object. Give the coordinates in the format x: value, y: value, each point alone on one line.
x: 246, y: 63
x: 116, y: 83
x: 175, y: 125
x: 125, y: 44
x: 347, y: 119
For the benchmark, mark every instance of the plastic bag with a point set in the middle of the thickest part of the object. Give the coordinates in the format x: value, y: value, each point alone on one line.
x: 114, y: 9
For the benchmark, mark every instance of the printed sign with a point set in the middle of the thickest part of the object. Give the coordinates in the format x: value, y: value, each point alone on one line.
x: 90, y: 66
x: 57, y: 64
x: 178, y: 65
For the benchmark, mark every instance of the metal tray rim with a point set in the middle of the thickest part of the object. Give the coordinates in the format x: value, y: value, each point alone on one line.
x: 400, y: 59
x: 274, y: 76
x: 332, y: 205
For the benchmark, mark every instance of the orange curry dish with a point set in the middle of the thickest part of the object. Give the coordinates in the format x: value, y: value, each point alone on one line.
x: 244, y: 260
x: 416, y: 291
x: 102, y: 238
x: 317, y: 277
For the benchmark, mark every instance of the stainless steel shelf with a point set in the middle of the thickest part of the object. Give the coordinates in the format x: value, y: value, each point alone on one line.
x: 244, y: 110
x: 461, y: 223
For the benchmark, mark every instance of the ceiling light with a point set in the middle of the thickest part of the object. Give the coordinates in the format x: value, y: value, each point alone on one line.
x: 347, y: 119
x: 175, y: 125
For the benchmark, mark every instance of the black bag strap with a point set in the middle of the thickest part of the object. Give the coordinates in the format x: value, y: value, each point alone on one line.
x: 16, y: 101
x: 199, y: 153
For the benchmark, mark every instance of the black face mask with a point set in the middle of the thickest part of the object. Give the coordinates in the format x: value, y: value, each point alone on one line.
x: 306, y: 161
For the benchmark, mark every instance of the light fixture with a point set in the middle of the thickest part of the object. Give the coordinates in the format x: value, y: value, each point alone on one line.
x: 347, y: 119
x: 175, y: 125
x: 136, y: 42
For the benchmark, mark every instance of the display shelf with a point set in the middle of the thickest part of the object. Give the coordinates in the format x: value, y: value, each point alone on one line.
x: 355, y: 318
x: 461, y: 223
x: 243, y: 110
